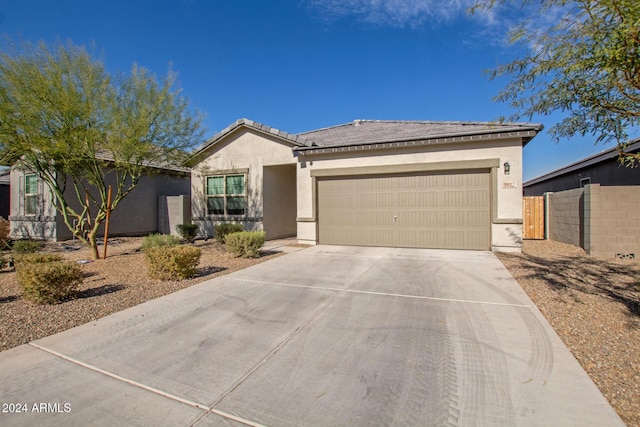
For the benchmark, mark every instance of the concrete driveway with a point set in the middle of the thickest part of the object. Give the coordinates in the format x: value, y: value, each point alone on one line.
x: 327, y: 335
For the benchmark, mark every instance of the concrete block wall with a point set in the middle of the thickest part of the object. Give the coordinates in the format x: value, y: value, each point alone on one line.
x: 602, y: 220
x: 612, y: 221
x: 565, y: 210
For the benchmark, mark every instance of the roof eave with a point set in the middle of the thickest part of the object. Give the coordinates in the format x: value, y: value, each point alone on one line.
x: 526, y: 136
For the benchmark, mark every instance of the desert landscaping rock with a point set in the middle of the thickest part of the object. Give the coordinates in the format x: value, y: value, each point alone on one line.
x: 110, y: 285
x: 594, y: 305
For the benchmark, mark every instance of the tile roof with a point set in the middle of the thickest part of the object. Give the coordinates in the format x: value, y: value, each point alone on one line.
x: 365, y: 132
x: 159, y: 163
x: 369, y: 133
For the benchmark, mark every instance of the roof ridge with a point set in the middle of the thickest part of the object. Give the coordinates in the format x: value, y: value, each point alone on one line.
x: 451, y: 122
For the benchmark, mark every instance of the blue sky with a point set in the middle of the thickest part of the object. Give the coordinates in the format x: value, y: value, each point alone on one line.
x: 299, y: 65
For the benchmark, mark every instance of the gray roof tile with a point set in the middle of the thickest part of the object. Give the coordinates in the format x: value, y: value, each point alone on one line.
x: 363, y: 132
x: 373, y: 132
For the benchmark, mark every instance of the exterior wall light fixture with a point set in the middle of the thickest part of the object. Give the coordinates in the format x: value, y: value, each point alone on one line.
x: 507, y: 168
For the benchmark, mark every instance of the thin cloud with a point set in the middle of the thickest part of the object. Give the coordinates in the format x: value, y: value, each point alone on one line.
x: 493, y: 25
x: 393, y: 13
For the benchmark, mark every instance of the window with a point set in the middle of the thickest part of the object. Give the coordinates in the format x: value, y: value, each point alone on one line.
x: 585, y: 181
x: 226, y: 195
x: 30, y: 194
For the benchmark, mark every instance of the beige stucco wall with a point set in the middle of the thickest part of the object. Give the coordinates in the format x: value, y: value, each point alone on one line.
x: 279, y: 201
x: 507, y: 189
x: 246, y: 151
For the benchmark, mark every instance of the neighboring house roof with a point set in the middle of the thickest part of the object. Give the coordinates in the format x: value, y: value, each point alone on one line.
x: 374, y: 133
x: 157, y: 164
x: 601, y: 157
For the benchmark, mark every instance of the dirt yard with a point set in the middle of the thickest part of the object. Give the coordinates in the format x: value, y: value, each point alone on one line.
x: 594, y: 306
x: 110, y: 285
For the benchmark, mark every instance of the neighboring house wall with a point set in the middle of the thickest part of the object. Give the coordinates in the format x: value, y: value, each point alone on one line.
x: 37, y: 220
x: 566, y: 216
x: 506, y: 210
x: 5, y: 193
x: 606, y: 173
x: 599, y: 219
x: 5, y: 196
x: 136, y: 215
x: 266, y: 163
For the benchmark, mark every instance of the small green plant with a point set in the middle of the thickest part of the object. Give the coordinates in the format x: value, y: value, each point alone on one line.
x: 221, y: 231
x: 5, y: 229
x: 26, y: 246
x: 245, y: 244
x: 49, y: 282
x: 158, y: 240
x: 188, y: 232
x: 173, y: 262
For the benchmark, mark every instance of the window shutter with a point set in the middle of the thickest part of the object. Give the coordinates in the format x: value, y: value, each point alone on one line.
x: 40, y: 209
x: 21, y: 195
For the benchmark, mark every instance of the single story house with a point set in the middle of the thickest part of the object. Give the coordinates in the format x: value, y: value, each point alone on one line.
x: 424, y: 184
x: 603, y: 168
x: 143, y: 211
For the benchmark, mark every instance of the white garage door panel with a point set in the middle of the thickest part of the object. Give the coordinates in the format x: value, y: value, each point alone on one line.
x: 438, y: 210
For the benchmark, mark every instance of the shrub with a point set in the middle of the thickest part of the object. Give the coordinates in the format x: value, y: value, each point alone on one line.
x: 188, y: 232
x: 5, y: 229
x: 172, y: 262
x: 49, y: 282
x: 246, y: 244
x: 36, y: 258
x: 159, y: 240
x: 26, y: 246
x: 221, y: 231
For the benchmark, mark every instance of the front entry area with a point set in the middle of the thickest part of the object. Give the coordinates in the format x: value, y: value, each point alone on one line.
x: 444, y: 210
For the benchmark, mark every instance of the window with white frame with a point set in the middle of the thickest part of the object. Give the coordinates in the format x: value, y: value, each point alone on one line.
x: 30, y: 194
x: 226, y: 194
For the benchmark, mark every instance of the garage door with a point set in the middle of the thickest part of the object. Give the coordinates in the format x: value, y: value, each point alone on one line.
x: 435, y: 210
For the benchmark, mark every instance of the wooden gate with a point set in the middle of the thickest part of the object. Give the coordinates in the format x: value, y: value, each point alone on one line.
x: 533, y: 210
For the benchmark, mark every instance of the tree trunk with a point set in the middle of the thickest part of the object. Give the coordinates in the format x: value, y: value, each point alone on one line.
x: 93, y: 244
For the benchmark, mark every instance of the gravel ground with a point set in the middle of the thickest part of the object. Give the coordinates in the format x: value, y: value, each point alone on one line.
x: 592, y: 303
x: 594, y: 306
x: 110, y: 285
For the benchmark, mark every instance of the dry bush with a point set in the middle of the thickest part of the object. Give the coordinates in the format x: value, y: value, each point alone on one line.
x: 49, y: 282
x: 245, y: 244
x: 172, y: 262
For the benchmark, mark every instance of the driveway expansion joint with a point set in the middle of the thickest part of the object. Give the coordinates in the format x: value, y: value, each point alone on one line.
x: 386, y: 294
x: 145, y: 387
